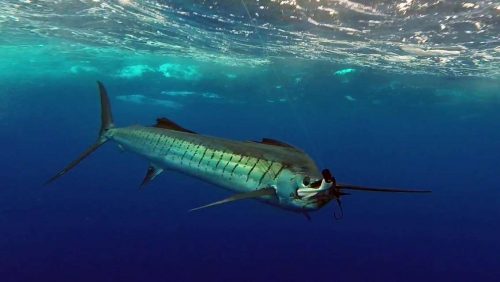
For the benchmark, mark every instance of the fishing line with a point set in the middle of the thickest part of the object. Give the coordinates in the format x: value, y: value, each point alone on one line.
x: 313, y: 144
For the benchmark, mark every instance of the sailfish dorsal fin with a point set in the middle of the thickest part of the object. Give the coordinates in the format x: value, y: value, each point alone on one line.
x: 168, y: 124
x: 274, y: 142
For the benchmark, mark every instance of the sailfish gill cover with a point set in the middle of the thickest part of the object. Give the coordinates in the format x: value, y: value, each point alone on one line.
x: 396, y: 93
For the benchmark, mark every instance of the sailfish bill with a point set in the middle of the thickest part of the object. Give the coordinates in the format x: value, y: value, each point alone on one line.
x: 377, y: 189
x: 270, y: 170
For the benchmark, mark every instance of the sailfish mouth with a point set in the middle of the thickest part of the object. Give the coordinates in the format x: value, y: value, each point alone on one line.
x: 316, y: 184
x: 319, y: 187
x: 327, y: 177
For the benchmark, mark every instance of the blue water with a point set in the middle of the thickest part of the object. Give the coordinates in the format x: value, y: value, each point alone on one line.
x: 410, y: 124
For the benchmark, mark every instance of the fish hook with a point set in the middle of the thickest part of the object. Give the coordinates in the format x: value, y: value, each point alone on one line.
x: 338, y: 217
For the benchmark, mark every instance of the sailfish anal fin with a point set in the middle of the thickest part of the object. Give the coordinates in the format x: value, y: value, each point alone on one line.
x: 269, y: 191
x: 152, y: 172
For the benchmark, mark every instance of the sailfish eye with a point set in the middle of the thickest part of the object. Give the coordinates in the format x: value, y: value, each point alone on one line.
x: 306, y: 181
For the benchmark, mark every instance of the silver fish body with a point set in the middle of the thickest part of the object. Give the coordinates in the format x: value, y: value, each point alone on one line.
x: 271, y: 171
x: 234, y: 165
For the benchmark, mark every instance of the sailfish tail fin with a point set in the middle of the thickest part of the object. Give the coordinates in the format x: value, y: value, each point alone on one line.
x: 106, y: 124
x: 106, y: 116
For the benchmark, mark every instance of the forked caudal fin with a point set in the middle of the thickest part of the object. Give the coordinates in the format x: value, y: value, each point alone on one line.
x: 106, y: 124
x: 106, y: 116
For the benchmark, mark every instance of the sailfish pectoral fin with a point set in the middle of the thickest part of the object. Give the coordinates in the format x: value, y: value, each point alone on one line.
x: 249, y: 195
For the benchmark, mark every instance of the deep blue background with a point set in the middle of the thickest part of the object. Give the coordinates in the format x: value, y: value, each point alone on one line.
x: 95, y: 225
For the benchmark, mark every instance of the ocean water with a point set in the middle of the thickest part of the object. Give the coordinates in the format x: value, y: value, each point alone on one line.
x: 383, y: 93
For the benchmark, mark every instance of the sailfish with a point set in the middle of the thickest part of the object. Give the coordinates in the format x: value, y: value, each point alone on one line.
x: 269, y: 170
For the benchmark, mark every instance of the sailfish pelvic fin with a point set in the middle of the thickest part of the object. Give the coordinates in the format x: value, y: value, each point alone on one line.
x: 152, y: 172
